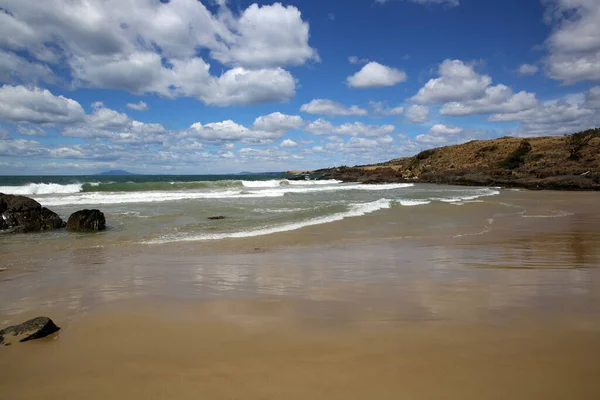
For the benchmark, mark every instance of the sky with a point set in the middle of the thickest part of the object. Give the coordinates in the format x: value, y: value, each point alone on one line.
x: 223, y: 86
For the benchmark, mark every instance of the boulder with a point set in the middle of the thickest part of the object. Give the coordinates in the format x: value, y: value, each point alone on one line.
x: 22, y: 214
x: 86, y: 221
x: 35, y: 328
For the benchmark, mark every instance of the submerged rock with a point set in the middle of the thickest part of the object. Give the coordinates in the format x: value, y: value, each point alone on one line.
x: 22, y: 214
x: 86, y: 221
x: 35, y: 328
x: 216, y: 217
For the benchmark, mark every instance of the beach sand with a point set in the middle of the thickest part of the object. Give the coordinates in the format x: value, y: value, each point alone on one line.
x: 503, y: 304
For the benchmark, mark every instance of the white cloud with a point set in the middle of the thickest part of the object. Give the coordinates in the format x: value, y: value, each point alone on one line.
x: 441, y: 129
x: 147, y: 46
x: 278, y: 122
x: 357, y: 60
x: 35, y: 105
x: 574, y: 45
x: 4, y: 134
x: 527, y: 69
x: 141, y: 106
x: 417, y: 113
x: 375, y: 75
x: 592, y: 98
x: 16, y: 68
x: 555, y: 117
x: 379, y: 108
x: 227, y: 154
x: 229, y: 131
x: 441, y: 135
x: 377, y: 146
x: 331, y: 108
x: 22, y: 148
x: 31, y: 130
x: 457, y: 82
x: 323, y: 127
x: 288, y: 143
x: 496, y: 99
x: 270, y: 35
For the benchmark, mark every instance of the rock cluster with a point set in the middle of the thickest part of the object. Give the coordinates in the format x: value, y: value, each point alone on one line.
x: 22, y: 214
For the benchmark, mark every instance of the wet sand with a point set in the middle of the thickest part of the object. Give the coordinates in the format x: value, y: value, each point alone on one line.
x: 504, y: 303
x: 282, y: 349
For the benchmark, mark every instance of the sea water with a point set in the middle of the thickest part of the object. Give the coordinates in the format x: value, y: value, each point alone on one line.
x: 166, y: 208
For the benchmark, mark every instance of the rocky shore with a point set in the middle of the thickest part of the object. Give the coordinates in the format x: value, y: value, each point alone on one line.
x: 20, y: 214
x: 553, y: 163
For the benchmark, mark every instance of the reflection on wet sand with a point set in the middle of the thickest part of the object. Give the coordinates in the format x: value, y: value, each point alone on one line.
x: 503, y: 306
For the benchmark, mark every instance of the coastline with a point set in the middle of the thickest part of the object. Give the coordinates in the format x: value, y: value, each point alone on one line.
x: 536, y: 163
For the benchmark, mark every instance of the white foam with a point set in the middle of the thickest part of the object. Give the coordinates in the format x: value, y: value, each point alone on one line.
x: 88, y: 198
x: 412, y: 203
x: 143, y: 197
x: 274, y: 183
x: 41, y: 188
x: 464, y: 198
x: 356, y: 210
x: 262, y: 184
x: 280, y: 210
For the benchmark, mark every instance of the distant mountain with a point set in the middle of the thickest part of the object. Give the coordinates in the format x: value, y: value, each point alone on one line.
x: 116, y: 172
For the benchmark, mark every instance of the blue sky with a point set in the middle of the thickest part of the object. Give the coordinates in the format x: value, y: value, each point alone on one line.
x: 218, y: 86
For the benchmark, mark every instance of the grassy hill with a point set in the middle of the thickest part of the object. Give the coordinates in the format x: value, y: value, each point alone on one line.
x: 553, y: 162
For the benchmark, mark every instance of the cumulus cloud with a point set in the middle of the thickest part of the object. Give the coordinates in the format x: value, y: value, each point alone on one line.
x: 440, y: 135
x: 465, y: 92
x: 380, y: 108
x: 31, y: 130
x: 229, y: 131
x: 22, y: 148
x: 563, y: 116
x: 375, y: 75
x: 574, y: 45
x: 323, y: 127
x: 270, y: 35
x: 332, y: 108
x: 141, y: 106
x: 36, y: 105
x: 14, y: 68
x: 457, y: 82
x: 148, y: 46
x: 288, y: 143
x: 278, y: 122
x: 527, y: 69
x: 496, y: 99
x: 417, y: 113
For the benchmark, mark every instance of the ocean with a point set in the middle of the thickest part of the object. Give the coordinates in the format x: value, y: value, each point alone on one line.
x: 152, y: 209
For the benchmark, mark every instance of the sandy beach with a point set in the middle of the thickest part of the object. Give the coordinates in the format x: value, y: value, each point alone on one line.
x: 495, y: 300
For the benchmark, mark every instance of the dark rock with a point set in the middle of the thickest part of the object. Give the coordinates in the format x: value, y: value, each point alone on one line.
x: 35, y: 328
x: 86, y: 221
x: 217, y: 217
x: 51, y: 220
x: 22, y: 214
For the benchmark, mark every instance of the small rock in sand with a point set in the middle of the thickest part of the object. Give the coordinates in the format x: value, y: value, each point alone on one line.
x: 35, y: 328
